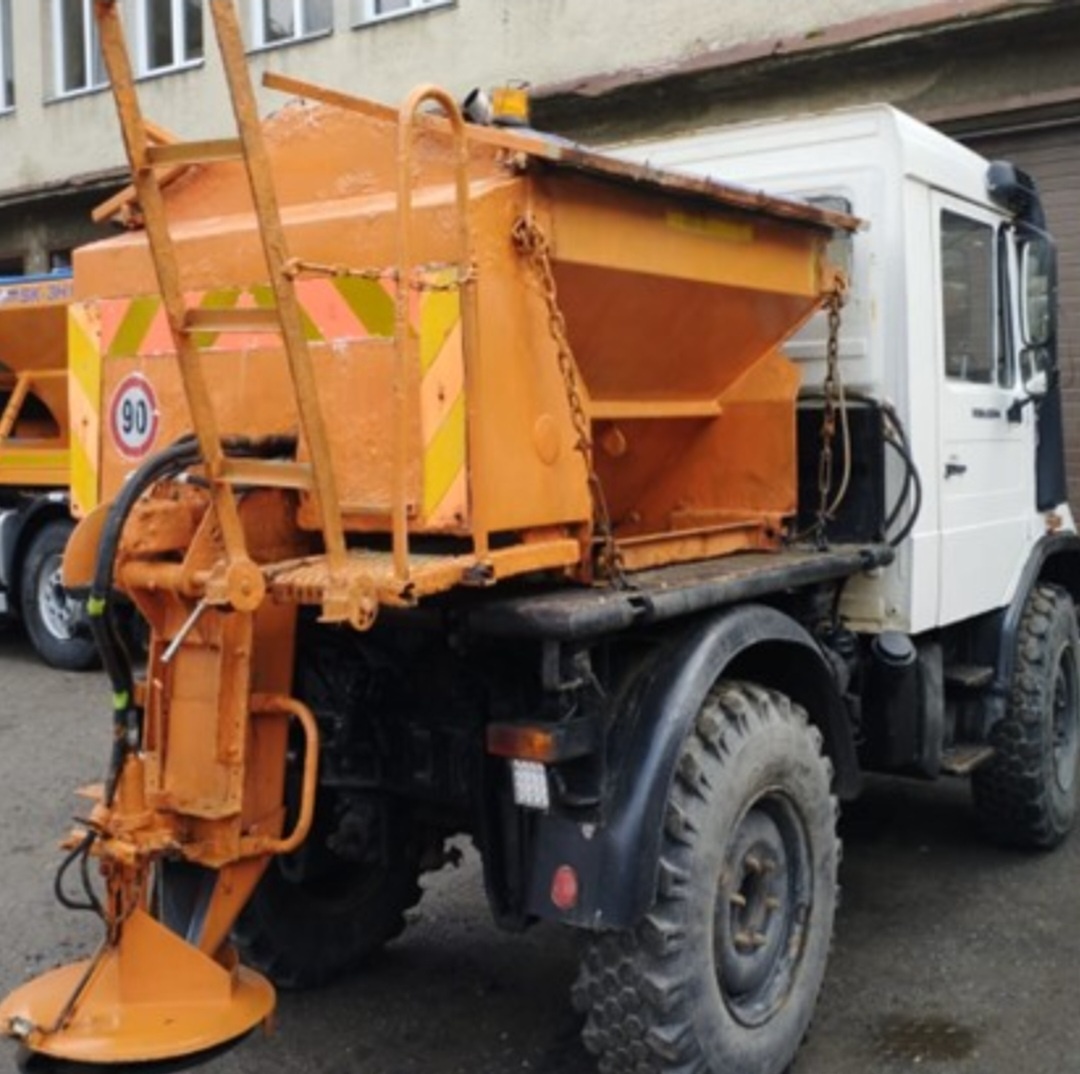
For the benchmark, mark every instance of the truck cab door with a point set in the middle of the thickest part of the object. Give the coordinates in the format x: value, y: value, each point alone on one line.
x: 986, y: 482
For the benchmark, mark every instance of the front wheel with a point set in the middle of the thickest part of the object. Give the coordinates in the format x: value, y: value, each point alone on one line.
x: 1026, y: 794
x: 48, y: 612
x: 724, y: 971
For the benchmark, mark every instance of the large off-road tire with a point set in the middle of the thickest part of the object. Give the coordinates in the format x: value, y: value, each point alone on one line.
x: 303, y: 933
x: 49, y: 614
x: 723, y: 973
x: 1026, y: 794
x: 315, y: 915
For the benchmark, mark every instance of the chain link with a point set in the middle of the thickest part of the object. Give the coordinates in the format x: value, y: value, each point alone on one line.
x: 533, y: 243
x: 834, y: 301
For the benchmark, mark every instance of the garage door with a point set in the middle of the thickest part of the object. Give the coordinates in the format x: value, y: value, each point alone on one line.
x: 1052, y: 156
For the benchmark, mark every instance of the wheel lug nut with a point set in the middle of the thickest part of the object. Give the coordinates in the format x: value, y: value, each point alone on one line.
x: 736, y: 899
x: 753, y: 864
x: 752, y: 940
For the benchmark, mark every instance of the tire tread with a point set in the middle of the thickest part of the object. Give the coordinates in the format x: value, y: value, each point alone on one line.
x: 1011, y: 792
x: 655, y: 1033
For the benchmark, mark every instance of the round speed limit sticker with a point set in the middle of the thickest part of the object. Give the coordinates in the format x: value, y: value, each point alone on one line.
x: 133, y: 416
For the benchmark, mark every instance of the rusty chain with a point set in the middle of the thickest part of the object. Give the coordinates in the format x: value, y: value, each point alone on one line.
x: 533, y: 244
x: 831, y: 390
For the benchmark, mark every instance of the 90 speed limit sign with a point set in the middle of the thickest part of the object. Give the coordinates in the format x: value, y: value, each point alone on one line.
x: 133, y: 416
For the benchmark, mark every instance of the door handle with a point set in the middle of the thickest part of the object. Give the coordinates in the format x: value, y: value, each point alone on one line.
x: 955, y: 469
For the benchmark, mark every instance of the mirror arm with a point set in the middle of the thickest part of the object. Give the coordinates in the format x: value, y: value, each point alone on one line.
x: 1015, y: 413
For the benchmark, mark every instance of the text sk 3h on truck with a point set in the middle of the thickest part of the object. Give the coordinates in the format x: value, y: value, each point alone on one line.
x: 498, y: 492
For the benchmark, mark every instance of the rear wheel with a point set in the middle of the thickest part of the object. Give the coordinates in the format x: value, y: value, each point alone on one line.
x: 308, y: 923
x: 50, y: 615
x: 724, y: 971
x: 1026, y: 794
x: 321, y: 912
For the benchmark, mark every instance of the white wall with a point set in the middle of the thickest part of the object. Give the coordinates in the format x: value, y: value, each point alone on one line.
x: 471, y: 42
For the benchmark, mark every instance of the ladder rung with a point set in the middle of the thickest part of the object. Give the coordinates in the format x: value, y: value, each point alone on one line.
x: 270, y: 473
x: 232, y: 320
x: 207, y: 151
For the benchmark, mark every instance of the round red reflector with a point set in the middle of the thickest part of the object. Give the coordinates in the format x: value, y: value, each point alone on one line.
x: 564, y: 888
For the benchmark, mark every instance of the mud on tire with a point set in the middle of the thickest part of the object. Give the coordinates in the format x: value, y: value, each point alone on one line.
x: 724, y: 971
x: 1026, y: 794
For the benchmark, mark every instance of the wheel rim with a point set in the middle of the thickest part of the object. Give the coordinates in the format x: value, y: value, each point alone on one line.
x: 762, y: 906
x: 1066, y: 734
x: 56, y: 609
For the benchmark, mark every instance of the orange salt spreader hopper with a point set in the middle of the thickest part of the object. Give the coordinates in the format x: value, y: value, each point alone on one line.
x: 33, y: 381
x: 376, y: 357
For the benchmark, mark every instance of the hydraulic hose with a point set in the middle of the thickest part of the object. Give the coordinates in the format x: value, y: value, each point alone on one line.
x: 912, y: 474
x: 114, y: 655
x: 174, y: 460
x: 895, y: 437
x: 80, y: 852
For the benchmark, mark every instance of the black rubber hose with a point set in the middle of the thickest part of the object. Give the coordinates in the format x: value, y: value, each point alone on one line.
x: 180, y: 456
x: 80, y: 852
x: 114, y: 655
x: 895, y: 542
x: 905, y: 488
x: 902, y: 447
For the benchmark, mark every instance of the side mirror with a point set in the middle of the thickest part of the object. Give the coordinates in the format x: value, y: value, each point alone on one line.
x: 1037, y: 291
x: 1038, y: 385
x: 1035, y: 368
x: 1037, y: 300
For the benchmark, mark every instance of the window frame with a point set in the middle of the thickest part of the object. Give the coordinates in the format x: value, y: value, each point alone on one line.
x: 93, y: 61
x: 179, y: 38
x: 7, y: 59
x: 257, y: 14
x: 1000, y: 362
x: 366, y: 15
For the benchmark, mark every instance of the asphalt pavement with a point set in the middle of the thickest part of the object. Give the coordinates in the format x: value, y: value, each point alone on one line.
x: 950, y: 955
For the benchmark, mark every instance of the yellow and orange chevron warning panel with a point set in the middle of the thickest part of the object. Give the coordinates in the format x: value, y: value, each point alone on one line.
x: 127, y: 400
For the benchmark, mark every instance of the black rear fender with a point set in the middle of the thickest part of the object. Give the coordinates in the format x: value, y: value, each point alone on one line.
x: 617, y: 859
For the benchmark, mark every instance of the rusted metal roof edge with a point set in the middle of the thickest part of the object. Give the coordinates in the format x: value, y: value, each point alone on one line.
x: 556, y: 152
x: 700, y: 188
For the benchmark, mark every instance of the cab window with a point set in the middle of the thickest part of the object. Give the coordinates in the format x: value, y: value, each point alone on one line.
x: 974, y: 347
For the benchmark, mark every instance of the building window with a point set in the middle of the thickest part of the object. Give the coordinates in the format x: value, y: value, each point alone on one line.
x: 376, y: 10
x: 278, y: 21
x: 170, y: 34
x: 7, y: 58
x: 77, y: 58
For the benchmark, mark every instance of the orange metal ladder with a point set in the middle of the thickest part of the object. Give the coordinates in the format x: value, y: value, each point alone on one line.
x: 147, y: 154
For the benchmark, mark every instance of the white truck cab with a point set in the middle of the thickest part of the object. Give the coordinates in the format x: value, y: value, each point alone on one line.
x: 949, y: 319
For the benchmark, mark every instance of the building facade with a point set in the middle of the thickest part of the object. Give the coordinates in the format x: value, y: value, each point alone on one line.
x: 1001, y: 75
